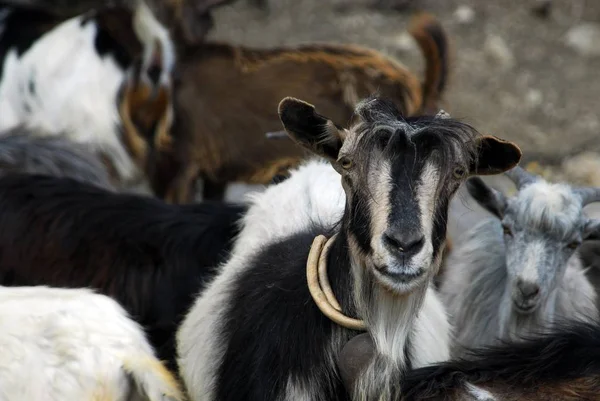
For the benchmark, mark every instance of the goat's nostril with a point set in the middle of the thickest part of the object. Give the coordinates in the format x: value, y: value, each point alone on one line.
x: 390, y: 241
x: 403, y: 243
x: 528, y: 290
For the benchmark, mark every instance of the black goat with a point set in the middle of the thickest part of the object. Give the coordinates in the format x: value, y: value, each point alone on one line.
x: 150, y: 256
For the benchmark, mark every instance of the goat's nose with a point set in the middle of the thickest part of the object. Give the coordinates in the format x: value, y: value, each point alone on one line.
x: 404, y: 242
x: 528, y: 289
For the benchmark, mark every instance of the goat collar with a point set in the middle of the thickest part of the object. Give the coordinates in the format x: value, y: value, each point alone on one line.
x: 319, y: 287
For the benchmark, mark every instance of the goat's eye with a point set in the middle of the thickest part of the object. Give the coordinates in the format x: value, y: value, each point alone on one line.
x: 459, y: 173
x: 573, y: 245
x: 345, y: 163
x: 507, y: 230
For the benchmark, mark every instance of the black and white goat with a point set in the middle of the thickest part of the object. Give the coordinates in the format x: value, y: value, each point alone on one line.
x: 256, y: 334
x: 150, y: 256
x: 520, y: 270
x: 100, y: 78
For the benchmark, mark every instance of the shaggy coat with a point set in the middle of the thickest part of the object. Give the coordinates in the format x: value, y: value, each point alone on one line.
x: 562, y: 364
x: 73, y: 344
x: 520, y: 271
x: 256, y: 334
x: 151, y: 257
x: 226, y: 100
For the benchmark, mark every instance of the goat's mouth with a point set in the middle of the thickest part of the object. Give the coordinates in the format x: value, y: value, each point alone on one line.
x: 399, y: 280
x: 525, y: 307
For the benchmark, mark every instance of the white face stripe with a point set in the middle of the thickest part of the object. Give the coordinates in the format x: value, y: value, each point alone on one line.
x: 426, y: 200
x: 380, y: 208
x: 531, y: 256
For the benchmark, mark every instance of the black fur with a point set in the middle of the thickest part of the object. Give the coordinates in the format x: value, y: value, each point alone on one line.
x: 150, y: 256
x: 569, y: 351
x: 273, y: 327
x: 20, y: 29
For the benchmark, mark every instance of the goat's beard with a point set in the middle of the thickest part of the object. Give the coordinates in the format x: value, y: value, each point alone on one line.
x: 389, y: 318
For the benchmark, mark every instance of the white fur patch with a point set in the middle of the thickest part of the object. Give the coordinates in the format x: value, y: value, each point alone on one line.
x: 73, y: 344
x: 61, y: 86
x: 479, y: 394
x: 431, y: 332
x: 531, y: 257
x: 313, y: 193
x: 426, y: 198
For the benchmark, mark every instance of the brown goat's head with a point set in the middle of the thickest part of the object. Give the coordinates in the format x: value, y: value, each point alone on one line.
x: 189, y: 20
x: 146, y: 113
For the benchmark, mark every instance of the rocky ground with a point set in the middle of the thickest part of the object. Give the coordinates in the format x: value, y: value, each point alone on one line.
x: 515, y: 73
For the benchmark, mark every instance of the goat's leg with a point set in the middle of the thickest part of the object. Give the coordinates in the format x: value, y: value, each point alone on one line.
x: 213, y: 190
x: 182, y: 189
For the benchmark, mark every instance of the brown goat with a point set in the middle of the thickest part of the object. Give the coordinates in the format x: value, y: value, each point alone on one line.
x: 225, y: 100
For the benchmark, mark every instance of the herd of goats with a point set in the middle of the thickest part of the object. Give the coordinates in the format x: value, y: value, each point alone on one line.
x: 337, y: 281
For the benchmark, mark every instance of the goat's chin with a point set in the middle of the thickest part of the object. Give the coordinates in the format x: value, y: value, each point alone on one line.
x: 400, y: 281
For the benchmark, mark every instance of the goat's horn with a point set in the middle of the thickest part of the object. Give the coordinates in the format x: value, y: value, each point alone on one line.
x: 520, y: 177
x: 588, y: 195
x: 442, y: 114
x: 276, y: 135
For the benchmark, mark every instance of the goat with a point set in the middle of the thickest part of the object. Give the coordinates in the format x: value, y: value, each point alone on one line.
x: 22, y: 151
x: 73, y: 344
x: 558, y: 364
x: 210, y: 139
x: 502, y: 285
x: 255, y: 333
x: 188, y: 20
x: 149, y: 256
x: 88, y: 79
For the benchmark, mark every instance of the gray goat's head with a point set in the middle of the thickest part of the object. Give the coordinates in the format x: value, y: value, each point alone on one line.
x: 543, y: 225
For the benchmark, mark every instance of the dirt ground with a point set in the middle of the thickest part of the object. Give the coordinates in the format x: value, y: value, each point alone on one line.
x: 513, y: 73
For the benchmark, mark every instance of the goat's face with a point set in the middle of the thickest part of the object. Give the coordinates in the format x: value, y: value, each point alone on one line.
x: 146, y: 115
x: 543, y: 226
x: 399, y: 175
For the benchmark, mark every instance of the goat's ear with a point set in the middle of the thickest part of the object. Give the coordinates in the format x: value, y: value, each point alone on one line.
x: 310, y: 129
x: 592, y: 230
x: 494, y: 156
x: 489, y: 198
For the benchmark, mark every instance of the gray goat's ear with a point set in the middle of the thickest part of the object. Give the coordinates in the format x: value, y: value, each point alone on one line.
x: 592, y: 230
x: 489, y: 198
x: 310, y: 129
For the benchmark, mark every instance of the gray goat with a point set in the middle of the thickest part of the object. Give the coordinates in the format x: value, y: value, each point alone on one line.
x: 25, y: 151
x: 517, y: 273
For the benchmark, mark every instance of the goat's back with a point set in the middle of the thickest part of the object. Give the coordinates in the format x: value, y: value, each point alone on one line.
x: 227, y: 99
x: 24, y: 150
x: 150, y: 256
x: 73, y: 344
